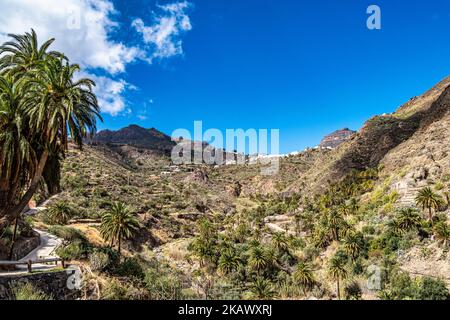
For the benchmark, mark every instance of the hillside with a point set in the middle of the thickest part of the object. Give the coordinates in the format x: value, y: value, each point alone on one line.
x: 246, y: 233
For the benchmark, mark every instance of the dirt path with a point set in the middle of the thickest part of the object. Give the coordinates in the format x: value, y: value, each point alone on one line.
x: 46, y: 249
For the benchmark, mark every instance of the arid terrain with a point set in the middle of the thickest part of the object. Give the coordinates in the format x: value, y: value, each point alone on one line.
x: 328, y: 218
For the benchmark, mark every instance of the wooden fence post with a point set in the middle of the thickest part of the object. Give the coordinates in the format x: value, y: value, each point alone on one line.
x: 29, y: 266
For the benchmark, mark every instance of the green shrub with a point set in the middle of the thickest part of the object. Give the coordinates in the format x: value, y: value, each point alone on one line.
x: 353, y: 291
x: 114, y: 290
x: 99, y: 261
x: 26, y: 291
x: 130, y: 267
x: 162, y: 285
x: 432, y: 289
x: 72, y: 251
x: 400, y: 287
x: 67, y: 233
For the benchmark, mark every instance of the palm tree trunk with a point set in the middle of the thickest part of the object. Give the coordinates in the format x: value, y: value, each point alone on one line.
x: 11, y: 248
x: 338, y: 290
x: 430, y: 215
x: 119, y: 244
x: 17, y: 210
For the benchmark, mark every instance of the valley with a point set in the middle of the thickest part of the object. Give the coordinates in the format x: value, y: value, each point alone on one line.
x: 315, y: 230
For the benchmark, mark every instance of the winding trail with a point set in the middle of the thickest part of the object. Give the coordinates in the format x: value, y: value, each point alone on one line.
x: 48, y: 244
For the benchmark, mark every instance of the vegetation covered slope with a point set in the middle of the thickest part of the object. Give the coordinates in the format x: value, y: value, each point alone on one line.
x: 368, y: 220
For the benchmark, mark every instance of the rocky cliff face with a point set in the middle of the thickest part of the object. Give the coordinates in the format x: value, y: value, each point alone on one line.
x: 335, y: 138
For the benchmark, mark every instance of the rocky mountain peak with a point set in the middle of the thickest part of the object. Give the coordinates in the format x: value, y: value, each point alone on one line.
x: 335, y: 138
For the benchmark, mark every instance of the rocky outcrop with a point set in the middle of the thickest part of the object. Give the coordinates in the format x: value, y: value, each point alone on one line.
x: 335, y: 138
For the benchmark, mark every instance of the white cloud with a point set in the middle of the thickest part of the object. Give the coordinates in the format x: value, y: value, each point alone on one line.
x: 163, y: 37
x: 83, y: 30
x: 110, y: 93
x: 142, y: 117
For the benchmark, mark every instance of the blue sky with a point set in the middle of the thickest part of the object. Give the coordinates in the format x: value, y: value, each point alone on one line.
x: 304, y: 67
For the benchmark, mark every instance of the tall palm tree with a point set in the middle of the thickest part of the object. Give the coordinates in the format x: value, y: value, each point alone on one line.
x: 54, y: 106
x: 337, y: 271
x: 17, y: 154
x: 24, y: 53
x: 118, y: 224
x: 336, y: 222
x: 408, y: 219
x: 304, y: 276
x: 57, y: 106
x: 427, y: 199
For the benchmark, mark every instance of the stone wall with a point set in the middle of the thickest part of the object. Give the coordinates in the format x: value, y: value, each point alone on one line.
x: 55, y: 284
x: 25, y: 246
x: 22, y: 247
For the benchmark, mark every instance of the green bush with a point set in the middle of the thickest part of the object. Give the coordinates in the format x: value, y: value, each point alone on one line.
x: 163, y: 285
x: 67, y: 233
x: 115, y: 290
x: 99, y: 261
x: 72, y: 251
x: 130, y: 267
x: 26, y: 291
x: 432, y: 289
x: 353, y: 291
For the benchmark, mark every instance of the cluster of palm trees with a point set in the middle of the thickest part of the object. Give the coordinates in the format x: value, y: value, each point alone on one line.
x: 43, y: 104
x: 428, y: 200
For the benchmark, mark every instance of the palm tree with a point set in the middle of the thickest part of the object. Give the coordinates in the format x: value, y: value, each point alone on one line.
x: 54, y: 106
x: 16, y: 152
x: 17, y: 155
x: 354, y: 245
x: 229, y: 261
x: 304, y: 276
x: 336, y: 222
x: 24, y: 53
x: 262, y: 289
x: 280, y: 242
x: 260, y: 259
x: 408, y: 219
x: 337, y: 271
x: 118, y: 224
x: 442, y: 232
x: 60, y: 212
x: 427, y: 199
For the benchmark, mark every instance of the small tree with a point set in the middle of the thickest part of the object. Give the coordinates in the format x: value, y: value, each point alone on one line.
x: 337, y: 271
x: 408, y: 219
x: 60, y: 213
x: 262, y: 289
x: 442, y: 232
x: 118, y: 224
x: 304, y: 277
x: 429, y: 200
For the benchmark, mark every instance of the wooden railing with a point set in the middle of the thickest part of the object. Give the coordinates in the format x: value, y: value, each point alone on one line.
x: 30, y: 263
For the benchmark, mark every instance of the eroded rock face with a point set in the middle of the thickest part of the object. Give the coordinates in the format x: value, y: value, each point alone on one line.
x: 336, y: 138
